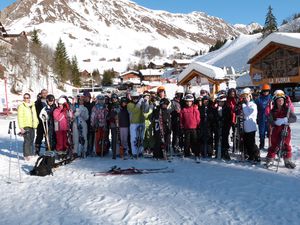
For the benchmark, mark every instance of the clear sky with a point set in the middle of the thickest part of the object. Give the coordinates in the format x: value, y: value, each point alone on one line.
x: 232, y: 11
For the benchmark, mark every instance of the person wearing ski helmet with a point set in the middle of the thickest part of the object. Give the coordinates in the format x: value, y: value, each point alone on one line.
x: 40, y: 103
x: 27, y: 121
x: 189, y: 122
x: 99, y: 125
x: 161, y: 92
x: 80, y: 128
x: 280, y: 117
x: 161, y: 119
x: 148, y: 138
x: 91, y: 133
x: 113, y: 116
x: 205, y: 130
x: 47, y: 113
x: 262, y: 102
x: 62, y: 125
x: 176, y: 105
x: 223, y: 118
x: 136, y: 108
x: 124, y: 126
x: 249, y: 112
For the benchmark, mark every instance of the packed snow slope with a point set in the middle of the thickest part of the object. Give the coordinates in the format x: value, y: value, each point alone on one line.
x: 234, y: 53
x: 212, y: 192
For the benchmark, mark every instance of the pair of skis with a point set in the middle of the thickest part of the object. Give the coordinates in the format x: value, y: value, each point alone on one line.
x: 132, y: 171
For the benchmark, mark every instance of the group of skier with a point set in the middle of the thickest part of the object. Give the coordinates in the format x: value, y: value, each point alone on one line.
x: 139, y: 124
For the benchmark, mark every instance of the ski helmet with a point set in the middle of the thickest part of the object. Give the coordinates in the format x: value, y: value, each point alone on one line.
x: 245, y: 91
x: 62, y: 100
x: 100, y: 98
x: 266, y: 87
x: 124, y: 99
x: 115, y: 96
x: 221, y: 98
x: 164, y: 101
x: 189, y: 98
x: 279, y: 94
x: 160, y: 89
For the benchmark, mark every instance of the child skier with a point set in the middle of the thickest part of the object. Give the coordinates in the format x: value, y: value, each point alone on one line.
x: 249, y: 111
x: 189, y: 122
x: 280, y: 117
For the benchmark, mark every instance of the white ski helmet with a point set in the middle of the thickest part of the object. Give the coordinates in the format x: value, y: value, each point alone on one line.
x: 246, y: 91
x: 278, y: 94
x: 62, y: 100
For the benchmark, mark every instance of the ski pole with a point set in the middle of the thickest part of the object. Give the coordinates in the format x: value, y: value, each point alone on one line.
x: 10, y: 146
x: 17, y: 149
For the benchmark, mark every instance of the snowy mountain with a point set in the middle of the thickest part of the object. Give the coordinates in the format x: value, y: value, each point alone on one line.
x: 99, y: 31
x: 291, y: 26
x: 234, y: 53
x: 247, y: 29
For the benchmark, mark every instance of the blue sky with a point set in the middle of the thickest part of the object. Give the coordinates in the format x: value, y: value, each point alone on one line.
x: 233, y: 11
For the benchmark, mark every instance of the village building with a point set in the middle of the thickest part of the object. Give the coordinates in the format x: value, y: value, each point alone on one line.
x: 152, y: 74
x: 203, y: 76
x: 276, y: 61
x: 8, y: 39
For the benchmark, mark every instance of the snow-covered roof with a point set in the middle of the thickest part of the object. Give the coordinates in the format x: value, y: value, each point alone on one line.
x: 152, y: 72
x: 206, y: 69
x: 183, y: 61
x: 290, y: 39
x: 129, y: 72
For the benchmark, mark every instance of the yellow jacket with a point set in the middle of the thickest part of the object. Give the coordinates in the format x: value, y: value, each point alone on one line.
x: 27, y: 116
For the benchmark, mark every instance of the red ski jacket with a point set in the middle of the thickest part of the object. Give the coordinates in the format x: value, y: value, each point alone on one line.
x: 190, y: 117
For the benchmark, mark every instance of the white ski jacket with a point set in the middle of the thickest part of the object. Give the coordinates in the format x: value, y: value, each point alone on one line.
x: 250, y: 116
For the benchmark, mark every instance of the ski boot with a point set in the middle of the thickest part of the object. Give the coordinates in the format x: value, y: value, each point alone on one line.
x: 269, y: 162
x: 289, y: 164
x: 37, y: 149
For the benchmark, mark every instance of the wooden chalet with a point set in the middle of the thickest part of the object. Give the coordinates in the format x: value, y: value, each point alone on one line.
x: 151, y: 75
x: 131, y: 77
x: 276, y: 61
x: 199, y: 74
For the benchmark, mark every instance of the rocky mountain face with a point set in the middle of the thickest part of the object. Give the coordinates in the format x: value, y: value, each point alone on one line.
x: 196, y: 26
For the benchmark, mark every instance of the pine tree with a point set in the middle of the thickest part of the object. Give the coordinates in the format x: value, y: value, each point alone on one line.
x: 75, y: 74
x: 35, y: 38
x: 61, y: 61
x: 270, y: 23
x: 108, y: 75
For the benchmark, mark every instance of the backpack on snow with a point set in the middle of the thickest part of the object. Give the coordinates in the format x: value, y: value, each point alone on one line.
x: 43, y: 165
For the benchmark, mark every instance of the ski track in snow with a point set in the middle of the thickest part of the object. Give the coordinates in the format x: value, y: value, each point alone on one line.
x: 212, y: 192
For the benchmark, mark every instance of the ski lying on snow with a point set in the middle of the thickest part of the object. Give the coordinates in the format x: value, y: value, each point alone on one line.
x: 132, y: 171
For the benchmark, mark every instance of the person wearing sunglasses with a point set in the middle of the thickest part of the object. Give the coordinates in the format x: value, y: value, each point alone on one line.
x: 28, y: 122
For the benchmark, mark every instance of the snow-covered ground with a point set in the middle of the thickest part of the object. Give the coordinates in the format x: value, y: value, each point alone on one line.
x: 212, y: 192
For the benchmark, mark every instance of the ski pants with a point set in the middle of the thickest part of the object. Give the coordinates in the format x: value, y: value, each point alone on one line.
x: 124, y: 138
x: 61, y: 140
x: 134, y: 136
x: 263, y: 128
x: 250, y: 147
x: 190, y: 142
x: 148, y: 139
x: 114, y: 141
x: 28, y: 141
x: 275, y: 143
x: 78, y: 148
x: 101, y: 141
x: 39, y: 134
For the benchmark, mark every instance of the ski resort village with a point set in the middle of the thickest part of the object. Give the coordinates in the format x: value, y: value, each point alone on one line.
x: 115, y: 113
